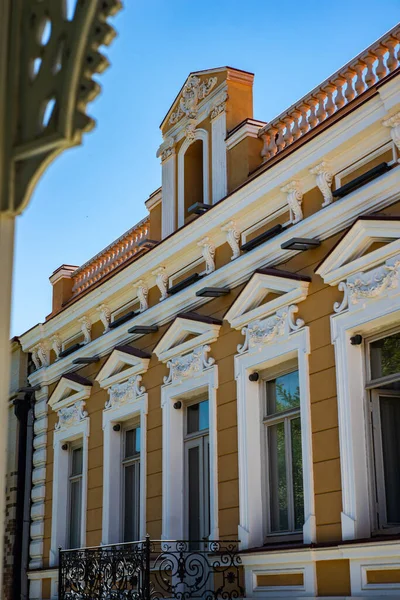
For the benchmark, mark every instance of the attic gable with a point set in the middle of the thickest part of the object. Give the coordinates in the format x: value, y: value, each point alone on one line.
x: 188, y: 331
x: 368, y: 243
x: 283, y: 287
x: 124, y: 362
x: 70, y: 389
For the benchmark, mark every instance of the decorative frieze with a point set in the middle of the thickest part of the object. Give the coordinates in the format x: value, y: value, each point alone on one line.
x: 162, y: 282
x: 142, y: 291
x: 193, y: 91
x: 232, y: 237
x: 264, y: 331
x: 105, y: 316
x: 219, y: 106
x: 208, y: 252
x: 185, y: 367
x: 125, y: 392
x: 56, y: 344
x: 324, y: 177
x: 294, y: 198
x: 71, y: 415
x: 190, y: 130
x: 394, y: 123
x: 86, y: 328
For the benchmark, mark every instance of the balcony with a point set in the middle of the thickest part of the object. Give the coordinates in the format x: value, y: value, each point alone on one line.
x: 151, y: 570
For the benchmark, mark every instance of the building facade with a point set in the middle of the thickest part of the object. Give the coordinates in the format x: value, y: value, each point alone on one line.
x: 229, y: 368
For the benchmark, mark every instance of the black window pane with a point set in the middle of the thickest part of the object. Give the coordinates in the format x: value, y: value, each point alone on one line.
x: 283, y: 393
x: 75, y: 513
x: 131, y: 502
x: 194, y: 493
x: 390, y: 426
x: 277, y: 478
x: 197, y: 417
x: 76, y: 462
x: 132, y: 442
x: 385, y: 356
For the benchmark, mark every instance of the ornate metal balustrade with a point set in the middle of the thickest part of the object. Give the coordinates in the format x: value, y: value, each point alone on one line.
x: 151, y: 570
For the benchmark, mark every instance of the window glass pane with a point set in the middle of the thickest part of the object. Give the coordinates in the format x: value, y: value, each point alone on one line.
x: 385, y: 356
x: 75, y: 511
x: 194, y: 492
x: 132, y: 442
x: 277, y: 478
x: 131, y: 502
x: 297, y: 473
x: 390, y: 427
x: 197, y: 417
x: 76, y: 461
x: 283, y: 393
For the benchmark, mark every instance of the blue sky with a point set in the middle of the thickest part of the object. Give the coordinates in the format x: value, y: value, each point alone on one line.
x: 92, y: 194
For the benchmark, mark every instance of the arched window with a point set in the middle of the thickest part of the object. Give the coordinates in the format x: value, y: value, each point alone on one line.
x: 193, y: 173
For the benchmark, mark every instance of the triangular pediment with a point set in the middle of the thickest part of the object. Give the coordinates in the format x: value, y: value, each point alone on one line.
x: 367, y: 244
x: 124, y: 362
x: 267, y: 291
x: 70, y: 389
x: 188, y: 331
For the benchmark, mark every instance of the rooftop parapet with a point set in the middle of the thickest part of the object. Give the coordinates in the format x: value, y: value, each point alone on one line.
x: 336, y: 93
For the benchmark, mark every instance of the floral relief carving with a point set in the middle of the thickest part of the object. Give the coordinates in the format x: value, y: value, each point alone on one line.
x: 35, y: 358
x: 190, y: 131
x: 105, y: 316
x: 86, y: 328
x: 294, y: 200
x: 123, y: 393
x: 184, y: 367
x: 167, y: 149
x: 43, y: 354
x: 264, y: 331
x: 208, y: 252
x: 71, y: 415
x: 142, y: 292
x: 162, y: 282
x: 56, y: 344
x: 364, y: 286
x: 394, y: 123
x: 324, y: 178
x: 232, y: 237
x: 194, y: 90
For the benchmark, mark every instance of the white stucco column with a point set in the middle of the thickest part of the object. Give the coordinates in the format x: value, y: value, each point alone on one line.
x: 168, y: 193
x: 218, y: 153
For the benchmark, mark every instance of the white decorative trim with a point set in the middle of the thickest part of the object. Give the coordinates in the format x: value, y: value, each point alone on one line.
x: 71, y: 415
x: 56, y: 345
x: 68, y: 392
x: 142, y: 291
x: 339, y: 307
x: 199, y: 134
x: 294, y: 200
x: 172, y: 432
x: 193, y: 91
x: 105, y: 316
x: 288, y: 345
x: 324, y: 177
x: 161, y: 282
x: 232, y: 237
x: 186, y: 366
x: 219, y: 177
x: 38, y: 493
x: 261, y: 332
x: 127, y: 400
x: 59, y: 518
x: 167, y: 149
x: 364, y: 286
x: 86, y: 328
x: 114, y: 370
x: 247, y: 307
x: 168, y: 206
x: 348, y: 256
x: 43, y: 354
x: 173, y: 343
x: 208, y: 252
x: 394, y: 123
x: 219, y: 106
x: 35, y: 358
x: 249, y: 129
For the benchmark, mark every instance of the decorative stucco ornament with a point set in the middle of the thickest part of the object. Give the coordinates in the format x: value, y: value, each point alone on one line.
x: 123, y: 393
x: 294, y: 200
x: 364, y: 286
x: 71, y: 415
x: 232, y: 237
x: 162, y: 282
x: 394, y: 123
x: 105, y: 316
x: 43, y: 353
x: 219, y: 106
x: 324, y: 177
x: 264, y: 331
x: 86, y: 328
x: 56, y: 345
x: 208, y: 252
x: 194, y: 90
x: 189, y: 365
x: 142, y: 292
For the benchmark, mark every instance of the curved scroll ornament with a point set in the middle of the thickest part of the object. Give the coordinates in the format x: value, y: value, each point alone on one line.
x: 232, y: 237
x: 184, y: 367
x: 262, y: 332
x: 194, y: 90
x: 51, y: 84
x: 339, y: 307
x: 373, y: 284
x: 123, y: 393
x: 71, y: 415
x: 294, y: 198
x: 208, y: 252
x: 324, y: 178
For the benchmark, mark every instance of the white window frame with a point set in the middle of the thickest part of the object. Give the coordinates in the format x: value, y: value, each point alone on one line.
x: 173, y: 431
x: 199, y: 134
x: 249, y: 402
x: 378, y: 315
x: 132, y: 305
x: 364, y: 160
x: 127, y: 426
x: 112, y: 477
x: 59, y: 519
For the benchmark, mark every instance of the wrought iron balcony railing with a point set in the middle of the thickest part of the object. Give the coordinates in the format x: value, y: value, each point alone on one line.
x: 151, y: 570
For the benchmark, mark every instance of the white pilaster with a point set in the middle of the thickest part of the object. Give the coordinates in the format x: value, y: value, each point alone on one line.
x: 168, y: 195
x: 218, y: 151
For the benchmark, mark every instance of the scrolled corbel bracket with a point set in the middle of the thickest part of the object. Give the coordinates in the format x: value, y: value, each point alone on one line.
x: 394, y: 123
x: 208, y: 252
x: 294, y: 198
x: 324, y: 177
x: 232, y: 237
x: 161, y: 282
x: 142, y: 291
